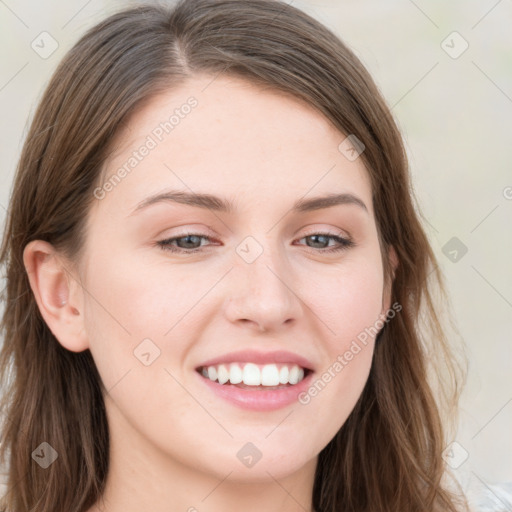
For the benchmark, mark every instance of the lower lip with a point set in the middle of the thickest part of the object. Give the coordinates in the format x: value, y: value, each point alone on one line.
x: 259, y: 399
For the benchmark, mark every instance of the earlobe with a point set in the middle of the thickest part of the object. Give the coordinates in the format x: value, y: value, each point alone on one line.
x: 57, y: 293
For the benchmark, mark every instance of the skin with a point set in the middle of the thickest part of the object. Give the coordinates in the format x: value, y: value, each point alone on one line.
x: 173, y: 442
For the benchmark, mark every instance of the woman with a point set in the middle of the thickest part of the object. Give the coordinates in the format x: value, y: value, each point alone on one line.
x: 211, y: 241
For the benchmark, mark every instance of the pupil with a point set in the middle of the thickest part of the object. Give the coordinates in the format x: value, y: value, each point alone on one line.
x: 188, y: 239
x: 316, y: 237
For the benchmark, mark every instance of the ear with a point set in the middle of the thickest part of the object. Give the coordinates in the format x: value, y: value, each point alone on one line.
x: 58, y: 294
x: 386, y: 296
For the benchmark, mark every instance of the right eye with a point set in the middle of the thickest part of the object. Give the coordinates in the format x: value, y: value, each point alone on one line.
x: 182, y: 243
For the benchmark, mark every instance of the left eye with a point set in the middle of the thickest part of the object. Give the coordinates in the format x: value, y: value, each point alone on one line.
x: 321, y: 238
x: 188, y: 243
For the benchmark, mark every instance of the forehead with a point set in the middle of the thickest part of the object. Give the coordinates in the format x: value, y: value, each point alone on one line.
x: 232, y: 138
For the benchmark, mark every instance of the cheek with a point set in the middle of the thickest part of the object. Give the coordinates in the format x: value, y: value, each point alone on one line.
x: 127, y: 304
x: 139, y: 333
x: 143, y: 315
x: 349, y: 299
x: 350, y: 309
x: 137, y: 297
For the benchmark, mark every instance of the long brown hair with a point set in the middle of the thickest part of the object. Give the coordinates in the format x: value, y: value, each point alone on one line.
x: 388, y: 454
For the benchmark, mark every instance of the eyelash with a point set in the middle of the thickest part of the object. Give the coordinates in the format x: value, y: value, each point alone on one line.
x: 345, y: 243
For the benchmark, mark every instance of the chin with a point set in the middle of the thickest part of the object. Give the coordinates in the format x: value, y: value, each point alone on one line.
x: 246, y: 465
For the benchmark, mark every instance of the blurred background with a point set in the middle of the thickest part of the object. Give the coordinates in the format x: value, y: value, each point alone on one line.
x: 445, y: 69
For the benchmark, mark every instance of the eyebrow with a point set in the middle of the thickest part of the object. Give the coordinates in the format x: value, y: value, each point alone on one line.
x: 215, y: 203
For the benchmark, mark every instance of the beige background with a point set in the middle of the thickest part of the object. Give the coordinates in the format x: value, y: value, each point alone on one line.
x: 455, y: 112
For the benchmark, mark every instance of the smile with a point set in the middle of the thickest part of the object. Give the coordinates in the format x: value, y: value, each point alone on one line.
x: 260, y: 381
x: 254, y: 375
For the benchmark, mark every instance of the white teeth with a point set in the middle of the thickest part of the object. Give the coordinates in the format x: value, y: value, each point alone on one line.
x: 212, y: 373
x: 235, y: 374
x: 293, y: 378
x: 252, y: 374
x: 283, y: 375
x: 222, y: 374
x: 270, y: 375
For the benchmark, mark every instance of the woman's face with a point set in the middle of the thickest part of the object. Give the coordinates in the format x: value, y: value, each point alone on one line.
x: 261, y: 277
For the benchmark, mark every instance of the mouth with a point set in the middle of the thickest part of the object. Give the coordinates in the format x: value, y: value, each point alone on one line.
x: 258, y: 381
x: 252, y: 376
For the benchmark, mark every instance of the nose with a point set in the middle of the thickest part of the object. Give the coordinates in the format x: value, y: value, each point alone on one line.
x: 263, y: 294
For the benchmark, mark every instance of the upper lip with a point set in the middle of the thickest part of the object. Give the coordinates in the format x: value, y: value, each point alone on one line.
x: 252, y: 356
